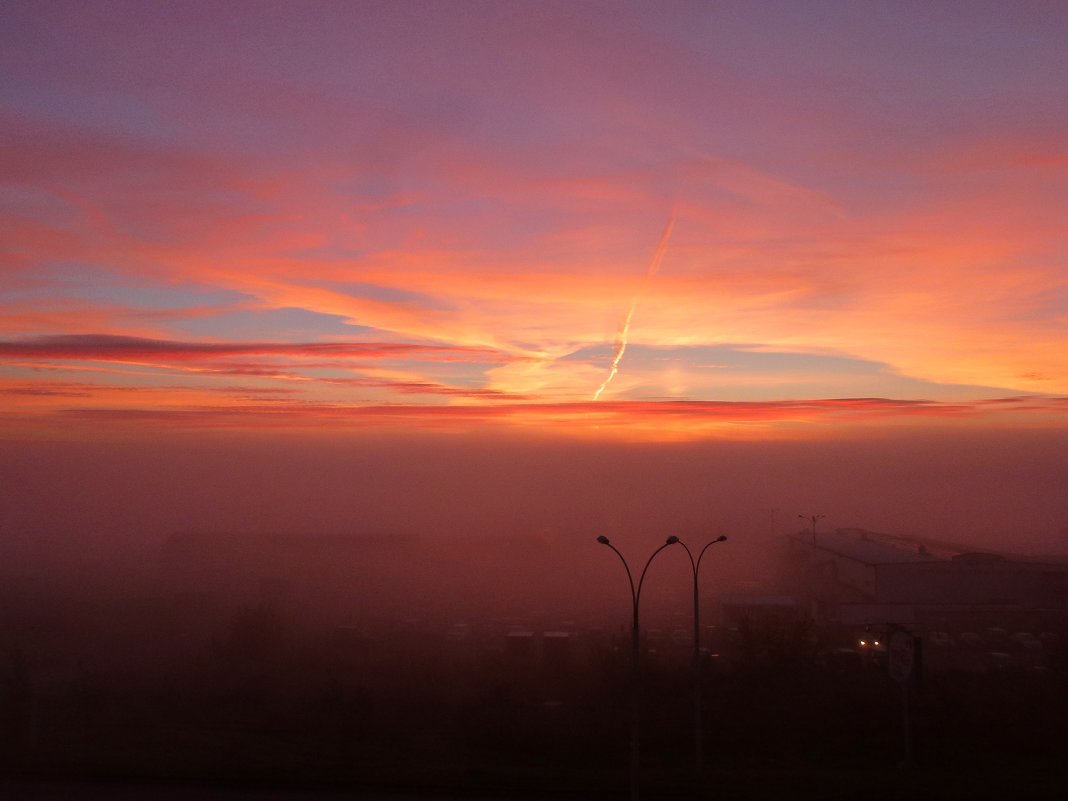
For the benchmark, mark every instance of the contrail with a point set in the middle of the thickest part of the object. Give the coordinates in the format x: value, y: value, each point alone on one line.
x: 654, y: 265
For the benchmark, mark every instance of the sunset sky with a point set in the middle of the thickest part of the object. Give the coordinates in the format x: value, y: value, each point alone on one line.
x: 655, y: 221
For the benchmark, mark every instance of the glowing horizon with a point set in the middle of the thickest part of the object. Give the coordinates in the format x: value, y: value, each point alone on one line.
x: 442, y: 218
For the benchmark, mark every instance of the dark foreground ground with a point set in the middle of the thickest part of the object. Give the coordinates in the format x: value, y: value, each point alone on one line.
x: 265, y: 710
x: 981, y: 783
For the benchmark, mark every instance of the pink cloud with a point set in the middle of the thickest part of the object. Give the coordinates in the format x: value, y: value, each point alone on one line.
x: 679, y: 419
x: 111, y: 348
x: 515, y: 216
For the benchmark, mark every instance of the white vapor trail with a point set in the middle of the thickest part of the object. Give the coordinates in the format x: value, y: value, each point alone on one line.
x: 654, y: 265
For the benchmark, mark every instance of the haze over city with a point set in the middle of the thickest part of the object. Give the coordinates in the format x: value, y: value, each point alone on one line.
x: 377, y: 312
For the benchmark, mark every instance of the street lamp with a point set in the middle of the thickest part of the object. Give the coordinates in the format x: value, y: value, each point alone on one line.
x: 698, y: 733
x: 813, y: 519
x: 635, y: 671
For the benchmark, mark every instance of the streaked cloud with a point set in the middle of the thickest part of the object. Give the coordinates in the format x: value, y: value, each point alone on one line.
x: 112, y: 348
x: 460, y: 208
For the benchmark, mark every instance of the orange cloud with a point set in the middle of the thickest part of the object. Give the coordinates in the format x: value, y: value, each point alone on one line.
x: 110, y: 348
x: 669, y: 420
x: 506, y: 224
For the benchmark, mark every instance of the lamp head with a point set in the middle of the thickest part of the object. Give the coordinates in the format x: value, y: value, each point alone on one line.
x: 671, y: 540
x: 602, y: 539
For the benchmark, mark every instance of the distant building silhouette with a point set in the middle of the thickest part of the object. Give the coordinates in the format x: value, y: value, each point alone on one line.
x: 858, y: 577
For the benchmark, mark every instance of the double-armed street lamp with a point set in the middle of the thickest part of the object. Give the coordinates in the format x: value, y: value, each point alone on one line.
x: 813, y: 519
x: 635, y: 670
x: 698, y: 732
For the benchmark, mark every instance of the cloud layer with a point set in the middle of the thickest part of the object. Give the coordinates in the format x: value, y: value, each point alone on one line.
x: 367, y: 214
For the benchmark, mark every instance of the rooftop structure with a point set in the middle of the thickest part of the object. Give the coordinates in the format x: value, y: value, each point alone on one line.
x: 857, y: 576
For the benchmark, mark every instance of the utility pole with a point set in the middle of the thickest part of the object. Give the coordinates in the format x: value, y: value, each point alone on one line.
x: 813, y: 519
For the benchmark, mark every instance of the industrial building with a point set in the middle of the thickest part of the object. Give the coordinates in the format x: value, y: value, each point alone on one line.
x: 856, y: 577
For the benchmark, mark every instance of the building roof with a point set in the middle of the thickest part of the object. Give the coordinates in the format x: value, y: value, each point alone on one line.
x: 759, y: 600
x: 865, y: 546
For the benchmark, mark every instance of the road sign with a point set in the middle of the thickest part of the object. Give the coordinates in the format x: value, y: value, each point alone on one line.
x: 901, y: 654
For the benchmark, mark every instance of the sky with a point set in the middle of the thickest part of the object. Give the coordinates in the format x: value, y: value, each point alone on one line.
x: 618, y: 221
x: 551, y: 269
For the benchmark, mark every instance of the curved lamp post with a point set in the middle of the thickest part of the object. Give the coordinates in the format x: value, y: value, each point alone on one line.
x: 813, y: 519
x: 635, y: 672
x: 698, y: 732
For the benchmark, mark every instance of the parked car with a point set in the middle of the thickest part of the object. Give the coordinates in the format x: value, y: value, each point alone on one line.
x: 940, y: 639
x: 842, y: 659
x: 969, y: 639
x: 1026, y: 640
x: 999, y: 660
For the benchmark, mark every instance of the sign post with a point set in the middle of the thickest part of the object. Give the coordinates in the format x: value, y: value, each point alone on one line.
x: 901, y: 653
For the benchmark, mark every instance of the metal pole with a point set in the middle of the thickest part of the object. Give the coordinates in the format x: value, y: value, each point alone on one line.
x: 698, y: 732
x: 906, y: 725
x: 635, y: 705
x: 635, y: 663
x: 698, y: 723
x: 813, y: 519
